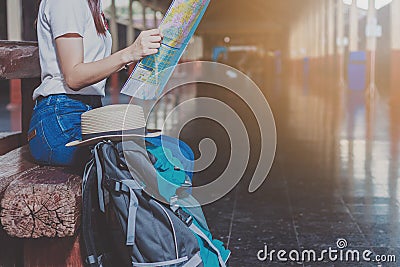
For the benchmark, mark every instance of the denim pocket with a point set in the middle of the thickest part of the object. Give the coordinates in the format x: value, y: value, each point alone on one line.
x: 38, y: 144
x: 68, y: 113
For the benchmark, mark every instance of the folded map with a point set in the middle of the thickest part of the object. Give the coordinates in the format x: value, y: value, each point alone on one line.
x: 152, y: 73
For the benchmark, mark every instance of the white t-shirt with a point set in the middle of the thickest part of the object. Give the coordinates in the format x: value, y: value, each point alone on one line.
x: 59, y: 17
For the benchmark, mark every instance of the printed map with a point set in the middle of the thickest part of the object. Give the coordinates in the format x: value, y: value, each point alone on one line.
x: 178, y: 26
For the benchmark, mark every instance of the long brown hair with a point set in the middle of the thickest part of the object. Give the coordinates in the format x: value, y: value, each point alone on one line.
x: 94, y: 6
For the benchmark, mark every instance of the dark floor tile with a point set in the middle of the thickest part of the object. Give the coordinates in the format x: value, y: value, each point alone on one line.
x: 354, y: 200
x: 320, y: 234
x: 390, y: 218
x: 327, y: 182
x: 383, y: 239
x: 386, y: 256
x: 324, y: 215
x: 370, y: 209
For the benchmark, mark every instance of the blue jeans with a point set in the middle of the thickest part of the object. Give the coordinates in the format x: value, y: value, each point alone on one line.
x: 56, y: 121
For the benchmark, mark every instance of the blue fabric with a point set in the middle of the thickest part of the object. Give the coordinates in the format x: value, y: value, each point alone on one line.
x: 208, y: 256
x: 170, y: 178
x: 170, y: 175
x: 178, y: 149
x: 56, y: 121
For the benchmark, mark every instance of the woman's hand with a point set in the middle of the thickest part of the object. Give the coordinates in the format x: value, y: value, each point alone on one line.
x: 78, y: 74
x: 147, y: 43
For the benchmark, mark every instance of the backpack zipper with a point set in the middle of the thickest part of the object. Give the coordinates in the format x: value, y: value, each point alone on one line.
x: 173, y: 228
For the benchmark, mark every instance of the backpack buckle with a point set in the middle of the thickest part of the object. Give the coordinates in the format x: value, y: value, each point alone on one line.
x: 91, y: 259
x: 185, y: 217
x: 117, y: 186
x: 114, y: 185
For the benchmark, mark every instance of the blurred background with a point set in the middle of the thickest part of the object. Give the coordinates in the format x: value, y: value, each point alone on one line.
x: 330, y: 70
x: 353, y: 43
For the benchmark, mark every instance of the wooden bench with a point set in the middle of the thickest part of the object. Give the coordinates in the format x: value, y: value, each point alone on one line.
x: 40, y: 205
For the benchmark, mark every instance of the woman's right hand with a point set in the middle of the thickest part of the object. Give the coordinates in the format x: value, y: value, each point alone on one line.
x: 78, y: 74
x: 147, y: 43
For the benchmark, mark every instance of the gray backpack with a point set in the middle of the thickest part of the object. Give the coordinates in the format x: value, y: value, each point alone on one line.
x: 122, y: 225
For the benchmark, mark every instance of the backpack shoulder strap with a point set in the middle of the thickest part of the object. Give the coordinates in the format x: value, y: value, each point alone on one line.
x: 200, y: 233
x: 188, y: 219
x: 99, y: 172
x: 87, y: 205
x: 126, y: 185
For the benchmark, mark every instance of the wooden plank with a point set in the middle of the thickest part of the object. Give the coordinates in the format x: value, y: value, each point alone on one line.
x: 19, y: 60
x: 9, y: 141
x: 13, y: 164
x: 43, y: 202
x: 52, y: 252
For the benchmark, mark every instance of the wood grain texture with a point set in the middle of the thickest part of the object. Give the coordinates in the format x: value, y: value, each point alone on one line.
x: 19, y: 60
x: 13, y: 164
x: 43, y: 202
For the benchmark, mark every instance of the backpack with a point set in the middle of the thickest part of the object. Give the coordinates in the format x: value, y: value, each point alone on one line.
x: 125, y: 225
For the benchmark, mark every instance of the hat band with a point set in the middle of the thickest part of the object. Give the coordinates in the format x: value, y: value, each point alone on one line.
x: 138, y: 131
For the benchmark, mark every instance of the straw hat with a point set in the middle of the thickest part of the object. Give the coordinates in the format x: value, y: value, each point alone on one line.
x: 112, y: 123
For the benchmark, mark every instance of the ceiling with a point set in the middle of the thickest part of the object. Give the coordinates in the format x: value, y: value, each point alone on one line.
x: 251, y: 16
x: 238, y: 16
x: 160, y: 5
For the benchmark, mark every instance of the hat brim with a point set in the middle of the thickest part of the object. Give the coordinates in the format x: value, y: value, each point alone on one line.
x: 114, y: 138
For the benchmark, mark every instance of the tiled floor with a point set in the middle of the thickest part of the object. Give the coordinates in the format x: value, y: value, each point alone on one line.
x: 334, y: 177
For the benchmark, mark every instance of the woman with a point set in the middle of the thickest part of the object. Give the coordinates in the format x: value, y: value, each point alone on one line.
x: 75, y: 58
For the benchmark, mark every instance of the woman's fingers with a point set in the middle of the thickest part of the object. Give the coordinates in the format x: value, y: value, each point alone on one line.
x: 151, y: 41
x: 146, y: 44
x: 149, y: 52
x: 153, y: 35
x: 153, y: 45
x: 153, y: 32
x: 154, y: 38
